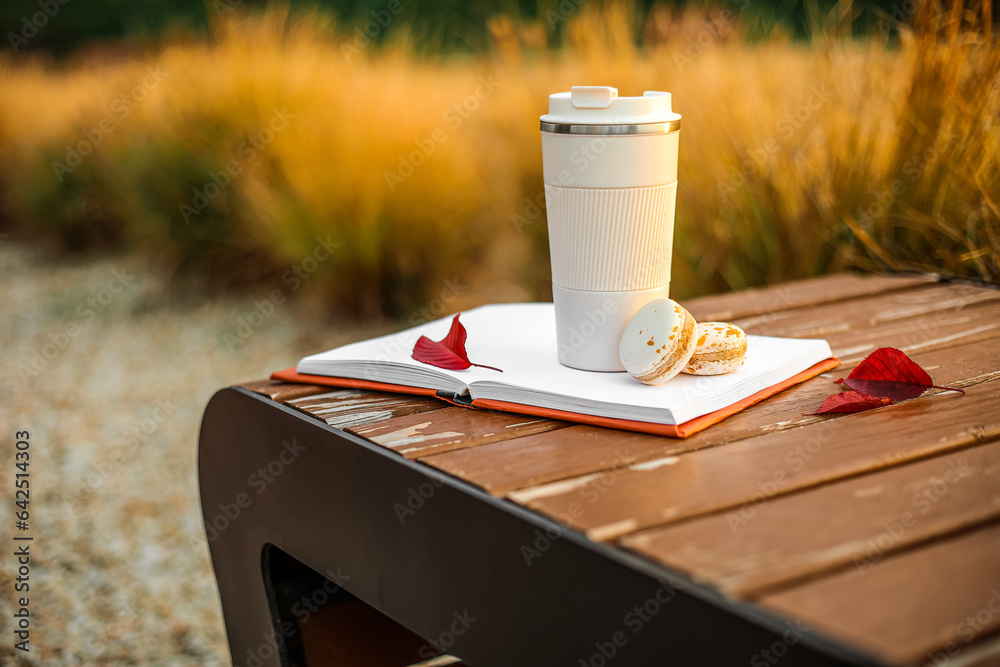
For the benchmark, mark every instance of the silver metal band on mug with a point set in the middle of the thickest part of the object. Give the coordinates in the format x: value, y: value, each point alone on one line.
x: 641, y: 128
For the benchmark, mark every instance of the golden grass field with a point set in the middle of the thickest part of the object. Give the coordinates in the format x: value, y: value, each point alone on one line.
x: 229, y: 157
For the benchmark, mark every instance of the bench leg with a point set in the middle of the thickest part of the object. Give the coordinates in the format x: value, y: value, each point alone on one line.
x: 472, y: 575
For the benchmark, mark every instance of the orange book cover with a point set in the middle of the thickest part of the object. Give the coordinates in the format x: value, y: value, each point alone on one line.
x: 674, y: 431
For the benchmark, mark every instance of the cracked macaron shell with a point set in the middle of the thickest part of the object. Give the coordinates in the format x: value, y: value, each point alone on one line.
x: 658, y: 341
x: 721, y: 348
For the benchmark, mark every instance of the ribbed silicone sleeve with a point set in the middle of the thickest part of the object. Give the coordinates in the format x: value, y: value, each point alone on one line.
x: 613, y: 239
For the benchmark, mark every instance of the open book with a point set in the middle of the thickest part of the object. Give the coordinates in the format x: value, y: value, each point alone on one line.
x: 520, y: 339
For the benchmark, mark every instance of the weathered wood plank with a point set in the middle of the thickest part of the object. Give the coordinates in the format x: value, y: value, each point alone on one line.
x: 856, y: 522
x: 283, y: 391
x: 353, y: 407
x: 797, y: 294
x: 923, y: 333
x: 582, y: 450
x: 609, y: 505
x: 828, y: 319
x: 537, y: 459
x: 450, y: 429
x: 979, y: 653
x: 440, y: 661
x: 911, y: 606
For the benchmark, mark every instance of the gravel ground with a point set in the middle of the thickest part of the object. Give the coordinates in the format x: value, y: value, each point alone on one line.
x: 120, y: 571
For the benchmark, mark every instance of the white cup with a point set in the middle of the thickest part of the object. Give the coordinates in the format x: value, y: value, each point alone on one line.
x: 610, y: 171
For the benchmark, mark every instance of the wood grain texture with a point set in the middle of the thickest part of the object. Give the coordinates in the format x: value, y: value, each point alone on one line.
x: 923, y: 333
x: 771, y: 504
x: 283, y: 391
x: 450, y: 429
x: 979, y: 653
x: 797, y: 294
x: 581, y: 450
x: 852, y: 523
x: 941, y: 596
x: 353, y: 407
x: 609, y: 505
x: 827, y: 319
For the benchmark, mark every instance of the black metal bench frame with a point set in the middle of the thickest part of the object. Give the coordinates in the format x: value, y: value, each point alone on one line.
x: 500, y: 585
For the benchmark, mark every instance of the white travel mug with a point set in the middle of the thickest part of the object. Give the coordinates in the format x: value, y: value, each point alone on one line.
x: 610, y: 170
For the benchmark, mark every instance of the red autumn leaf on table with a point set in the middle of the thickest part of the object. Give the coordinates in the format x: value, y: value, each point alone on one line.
x: 448, y: 353
x: 890, y: 373
x: 851, y: 401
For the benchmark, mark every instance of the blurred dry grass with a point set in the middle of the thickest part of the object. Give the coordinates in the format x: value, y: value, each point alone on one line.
x: 796, y: 159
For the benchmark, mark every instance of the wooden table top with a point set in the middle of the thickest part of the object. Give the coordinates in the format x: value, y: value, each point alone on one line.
x: 880, y: 528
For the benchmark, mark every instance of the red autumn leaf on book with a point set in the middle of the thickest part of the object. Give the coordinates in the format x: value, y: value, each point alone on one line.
x: 851, y: 401
x: 448, y: 353
x: 890, y: 373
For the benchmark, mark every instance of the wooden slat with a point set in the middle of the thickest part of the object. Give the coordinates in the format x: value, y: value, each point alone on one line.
x: 582, y: 450
x: 440, y: 661
x: 797, y: 294
x: 353, y: 407
x: 537, y: 459
x: 984, y: 653
x: 827, y: 319
x: 612, y: 504
x: 856, y: 522
x: 283, y: 391
x: 848, y: 477
x: 909, y: 605
x: 449, y: 429
x: 924, y: 333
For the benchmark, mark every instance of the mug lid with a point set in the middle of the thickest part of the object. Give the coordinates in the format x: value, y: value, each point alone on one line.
x: 600, y: 105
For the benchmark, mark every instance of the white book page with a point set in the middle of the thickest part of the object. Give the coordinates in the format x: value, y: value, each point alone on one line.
x: 378, y: 354
x: 520, y: 339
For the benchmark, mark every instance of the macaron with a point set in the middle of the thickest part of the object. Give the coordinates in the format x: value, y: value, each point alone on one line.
x: 658, y: 341
x: 722, y: 348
